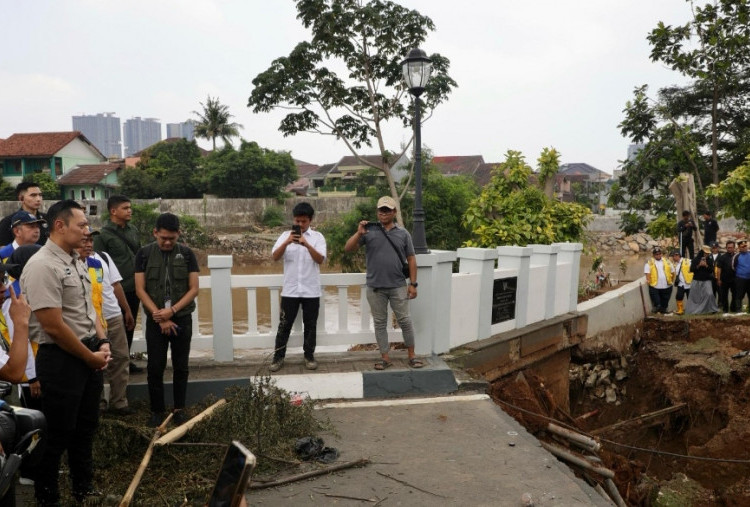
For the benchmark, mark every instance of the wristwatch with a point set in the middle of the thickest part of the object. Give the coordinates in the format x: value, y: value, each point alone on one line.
x: 414, y: 284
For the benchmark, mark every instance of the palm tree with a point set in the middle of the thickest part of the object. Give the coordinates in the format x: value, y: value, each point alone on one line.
x: 214, y: 122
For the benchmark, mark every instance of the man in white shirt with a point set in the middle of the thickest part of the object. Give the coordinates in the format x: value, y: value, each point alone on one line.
x: 303, y: 251
x: 113, y: 299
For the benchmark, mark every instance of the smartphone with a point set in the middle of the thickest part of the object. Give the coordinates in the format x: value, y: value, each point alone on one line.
x: 234, y: 477
x: 296, y: 231
x: 371, y: 225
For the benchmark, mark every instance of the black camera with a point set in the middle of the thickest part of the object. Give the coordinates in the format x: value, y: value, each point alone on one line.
x: 21, y: 432
x: 372, y: 225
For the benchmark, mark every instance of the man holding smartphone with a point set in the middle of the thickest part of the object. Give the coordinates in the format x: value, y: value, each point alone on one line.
x: 303, y: 251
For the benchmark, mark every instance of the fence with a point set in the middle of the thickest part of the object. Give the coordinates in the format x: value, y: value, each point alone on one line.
x: 495, y: 290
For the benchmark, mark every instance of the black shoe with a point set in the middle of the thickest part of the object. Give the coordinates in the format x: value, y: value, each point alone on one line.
x: 134, y: 368
x: 180, y: 417
x: 124, y: 411
x: 156, y: 419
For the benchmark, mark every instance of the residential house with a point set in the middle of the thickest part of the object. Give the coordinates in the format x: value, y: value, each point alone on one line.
x: 471, y: 165
x: 303, y: 184
x: 318, y: 178
x: 581, y: 182
x: 52, y: 152
x: 340, y: 179
x: 94, y: 182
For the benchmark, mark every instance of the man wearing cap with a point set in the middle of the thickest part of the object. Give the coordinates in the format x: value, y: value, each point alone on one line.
x: 387, y: 247
x: 741, y: 266
x: 701, y: 298
x: 725, y: 278
x: 710, y: 227
x: 660, y: 277
x: 683, y: 278
x: 26, y: 228
x: 30, y: 196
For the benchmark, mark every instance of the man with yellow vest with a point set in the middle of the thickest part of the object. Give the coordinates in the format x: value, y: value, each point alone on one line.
x: 683, y: 278
x: 660, y: 277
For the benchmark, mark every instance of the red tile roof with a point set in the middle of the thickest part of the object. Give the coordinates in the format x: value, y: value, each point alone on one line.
x: 351, y: 160
x: 305, y: 168
x: 39, y: 144
x: 88, y: 174
x: 452, y: 165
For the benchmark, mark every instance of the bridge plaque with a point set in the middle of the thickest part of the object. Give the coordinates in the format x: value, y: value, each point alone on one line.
x: 504, y: 299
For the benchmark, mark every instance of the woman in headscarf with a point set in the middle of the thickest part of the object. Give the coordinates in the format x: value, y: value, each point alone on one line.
x: 701, y: 299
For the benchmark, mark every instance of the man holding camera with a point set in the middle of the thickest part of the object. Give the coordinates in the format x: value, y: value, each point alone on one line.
x: 685, y: 229
x: 303, y: 251
x: 73, y: 351
x: 387, y: 247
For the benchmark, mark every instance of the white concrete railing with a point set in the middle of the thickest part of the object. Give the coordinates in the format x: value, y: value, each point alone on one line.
x: 452, y: 308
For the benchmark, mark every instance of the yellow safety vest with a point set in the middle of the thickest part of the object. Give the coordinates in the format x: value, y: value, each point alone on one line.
x: 653, y: 275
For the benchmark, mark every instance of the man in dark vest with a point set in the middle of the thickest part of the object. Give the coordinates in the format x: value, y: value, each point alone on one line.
x: 166, y: 281
x: 120, y: 240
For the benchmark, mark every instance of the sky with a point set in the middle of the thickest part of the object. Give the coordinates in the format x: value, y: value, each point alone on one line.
x: 531, y: 74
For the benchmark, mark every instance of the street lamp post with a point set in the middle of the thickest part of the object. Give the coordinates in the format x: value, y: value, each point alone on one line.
x: 417, y: 69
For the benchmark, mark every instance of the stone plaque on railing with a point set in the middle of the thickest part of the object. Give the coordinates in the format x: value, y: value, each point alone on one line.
x: 504, y: 299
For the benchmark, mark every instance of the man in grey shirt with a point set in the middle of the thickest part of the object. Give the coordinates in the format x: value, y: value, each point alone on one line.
x: 387, y: 246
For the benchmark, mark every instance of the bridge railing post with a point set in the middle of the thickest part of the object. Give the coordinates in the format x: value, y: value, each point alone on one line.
x: 221, y: 306
x: 482, y: 262
x: 518, y: 258
x: 546, y: 255
x: 570, y: 253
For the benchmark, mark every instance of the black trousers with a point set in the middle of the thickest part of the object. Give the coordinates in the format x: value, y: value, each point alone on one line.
x: 70, y: 403
x: 157, y: 345
x: 660, y: 298
x: 688, y: 248
x: 289, y: 309
x: 134, y: 304
x: 725, y: 289
x: 741, y: 289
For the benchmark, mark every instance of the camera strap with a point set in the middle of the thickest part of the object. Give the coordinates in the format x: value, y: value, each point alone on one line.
x: 382, y: 229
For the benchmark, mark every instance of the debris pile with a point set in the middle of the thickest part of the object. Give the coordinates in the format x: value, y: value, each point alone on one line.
x: 604, y: 380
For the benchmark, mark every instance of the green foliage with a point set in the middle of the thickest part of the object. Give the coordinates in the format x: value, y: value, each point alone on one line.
x: 663, y: 226
x: 339, y: 230
x: 367, y: 40
x: 7, y: 191
x: 167, y: 170
x: 734, y: 192
x: 143, y: 219
x: 249, y: 172
x: 214, y: 121
x: 273, y: 216
x: 702, y: 127
x: 632, y: 223
x: 192, y: 233
x: 510, y: 211
x: 49, y: 187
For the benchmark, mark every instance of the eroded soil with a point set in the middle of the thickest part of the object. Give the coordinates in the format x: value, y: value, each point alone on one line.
x: 677, y: 361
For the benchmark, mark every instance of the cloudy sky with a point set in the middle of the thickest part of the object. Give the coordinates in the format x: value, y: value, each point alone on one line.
x: 531, y: 73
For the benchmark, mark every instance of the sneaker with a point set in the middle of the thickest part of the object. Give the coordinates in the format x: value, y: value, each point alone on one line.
x: 156, y: 419
x: 25, y: 481
x: 123, y: 411
x: 311, y: 364
x: 277, y: 364
x: 180, y: 417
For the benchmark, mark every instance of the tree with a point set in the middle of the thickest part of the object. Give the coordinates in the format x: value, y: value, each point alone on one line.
x: 734, y: 191
x: 166, y: 169
x: 512, y: 211
x: 47, y: 185
x: 251, y: 171
x: 702, y: 127
x: 369, y: 39
x: 214, y: 122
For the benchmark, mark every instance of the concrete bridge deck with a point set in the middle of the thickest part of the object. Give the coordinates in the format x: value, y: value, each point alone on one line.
x: 432, y: 438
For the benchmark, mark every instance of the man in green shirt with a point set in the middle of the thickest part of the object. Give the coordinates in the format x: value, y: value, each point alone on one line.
x: 120, y: 240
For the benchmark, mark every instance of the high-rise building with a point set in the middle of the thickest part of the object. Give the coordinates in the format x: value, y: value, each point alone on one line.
x: 103, y: 130
x: 140, y: 133
x: 184, y: 130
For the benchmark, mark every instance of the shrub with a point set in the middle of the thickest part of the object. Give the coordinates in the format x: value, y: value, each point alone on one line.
x: 273, y: 216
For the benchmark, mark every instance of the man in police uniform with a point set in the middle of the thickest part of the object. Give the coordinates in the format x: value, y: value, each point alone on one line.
x: 166, y: 281
x: 73, y: 351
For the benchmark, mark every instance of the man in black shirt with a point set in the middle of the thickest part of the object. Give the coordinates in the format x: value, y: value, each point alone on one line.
x: 685, y: 232
x: 710, y: 227
x: 166, y: 281
x: 725, y: 278
x: 30, y: 196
